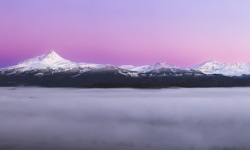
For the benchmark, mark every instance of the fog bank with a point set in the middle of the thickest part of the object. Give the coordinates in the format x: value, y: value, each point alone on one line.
x: 124, y: 119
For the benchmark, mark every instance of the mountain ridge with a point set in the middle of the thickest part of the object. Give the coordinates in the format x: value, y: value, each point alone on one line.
x: 51, y: 70
x: 54, y: 61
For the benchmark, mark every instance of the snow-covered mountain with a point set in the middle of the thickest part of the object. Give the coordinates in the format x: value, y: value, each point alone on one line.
x: 50, y: 60
x: 53, y: 61
x: 148, y: 68
x: 234, y: 69
x: 210, y: 67
x: 51, y: 70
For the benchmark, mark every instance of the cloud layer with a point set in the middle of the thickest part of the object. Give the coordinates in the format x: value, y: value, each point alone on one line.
x: 49, y: 118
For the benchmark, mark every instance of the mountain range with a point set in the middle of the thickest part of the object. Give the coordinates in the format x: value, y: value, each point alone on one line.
x: 52, y: 70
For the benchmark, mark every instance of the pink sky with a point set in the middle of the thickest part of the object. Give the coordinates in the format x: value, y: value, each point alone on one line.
x: 118, y: 32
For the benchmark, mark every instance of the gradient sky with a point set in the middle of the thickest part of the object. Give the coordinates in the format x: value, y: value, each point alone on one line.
x: 180, y: 32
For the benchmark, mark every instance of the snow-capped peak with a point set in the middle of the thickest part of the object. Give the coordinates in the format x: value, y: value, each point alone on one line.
x: 210, y: 67
x: 148, y: 68
x: 234, y: 69
x: 51, y: 57
x: 52, y: 60
x: 49, y: 60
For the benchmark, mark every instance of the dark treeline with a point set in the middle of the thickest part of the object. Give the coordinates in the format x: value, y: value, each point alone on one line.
x: 110, y: 79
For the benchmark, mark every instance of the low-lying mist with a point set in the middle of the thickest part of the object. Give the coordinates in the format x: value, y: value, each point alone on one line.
x: 124, y: 119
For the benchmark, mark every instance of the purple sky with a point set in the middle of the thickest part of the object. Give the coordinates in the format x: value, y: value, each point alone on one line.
x: 180, y: 32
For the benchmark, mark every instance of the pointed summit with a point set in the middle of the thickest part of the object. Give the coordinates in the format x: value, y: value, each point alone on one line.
x: 51, y: 57
x: 52, y: 53
x: 49, y: 60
